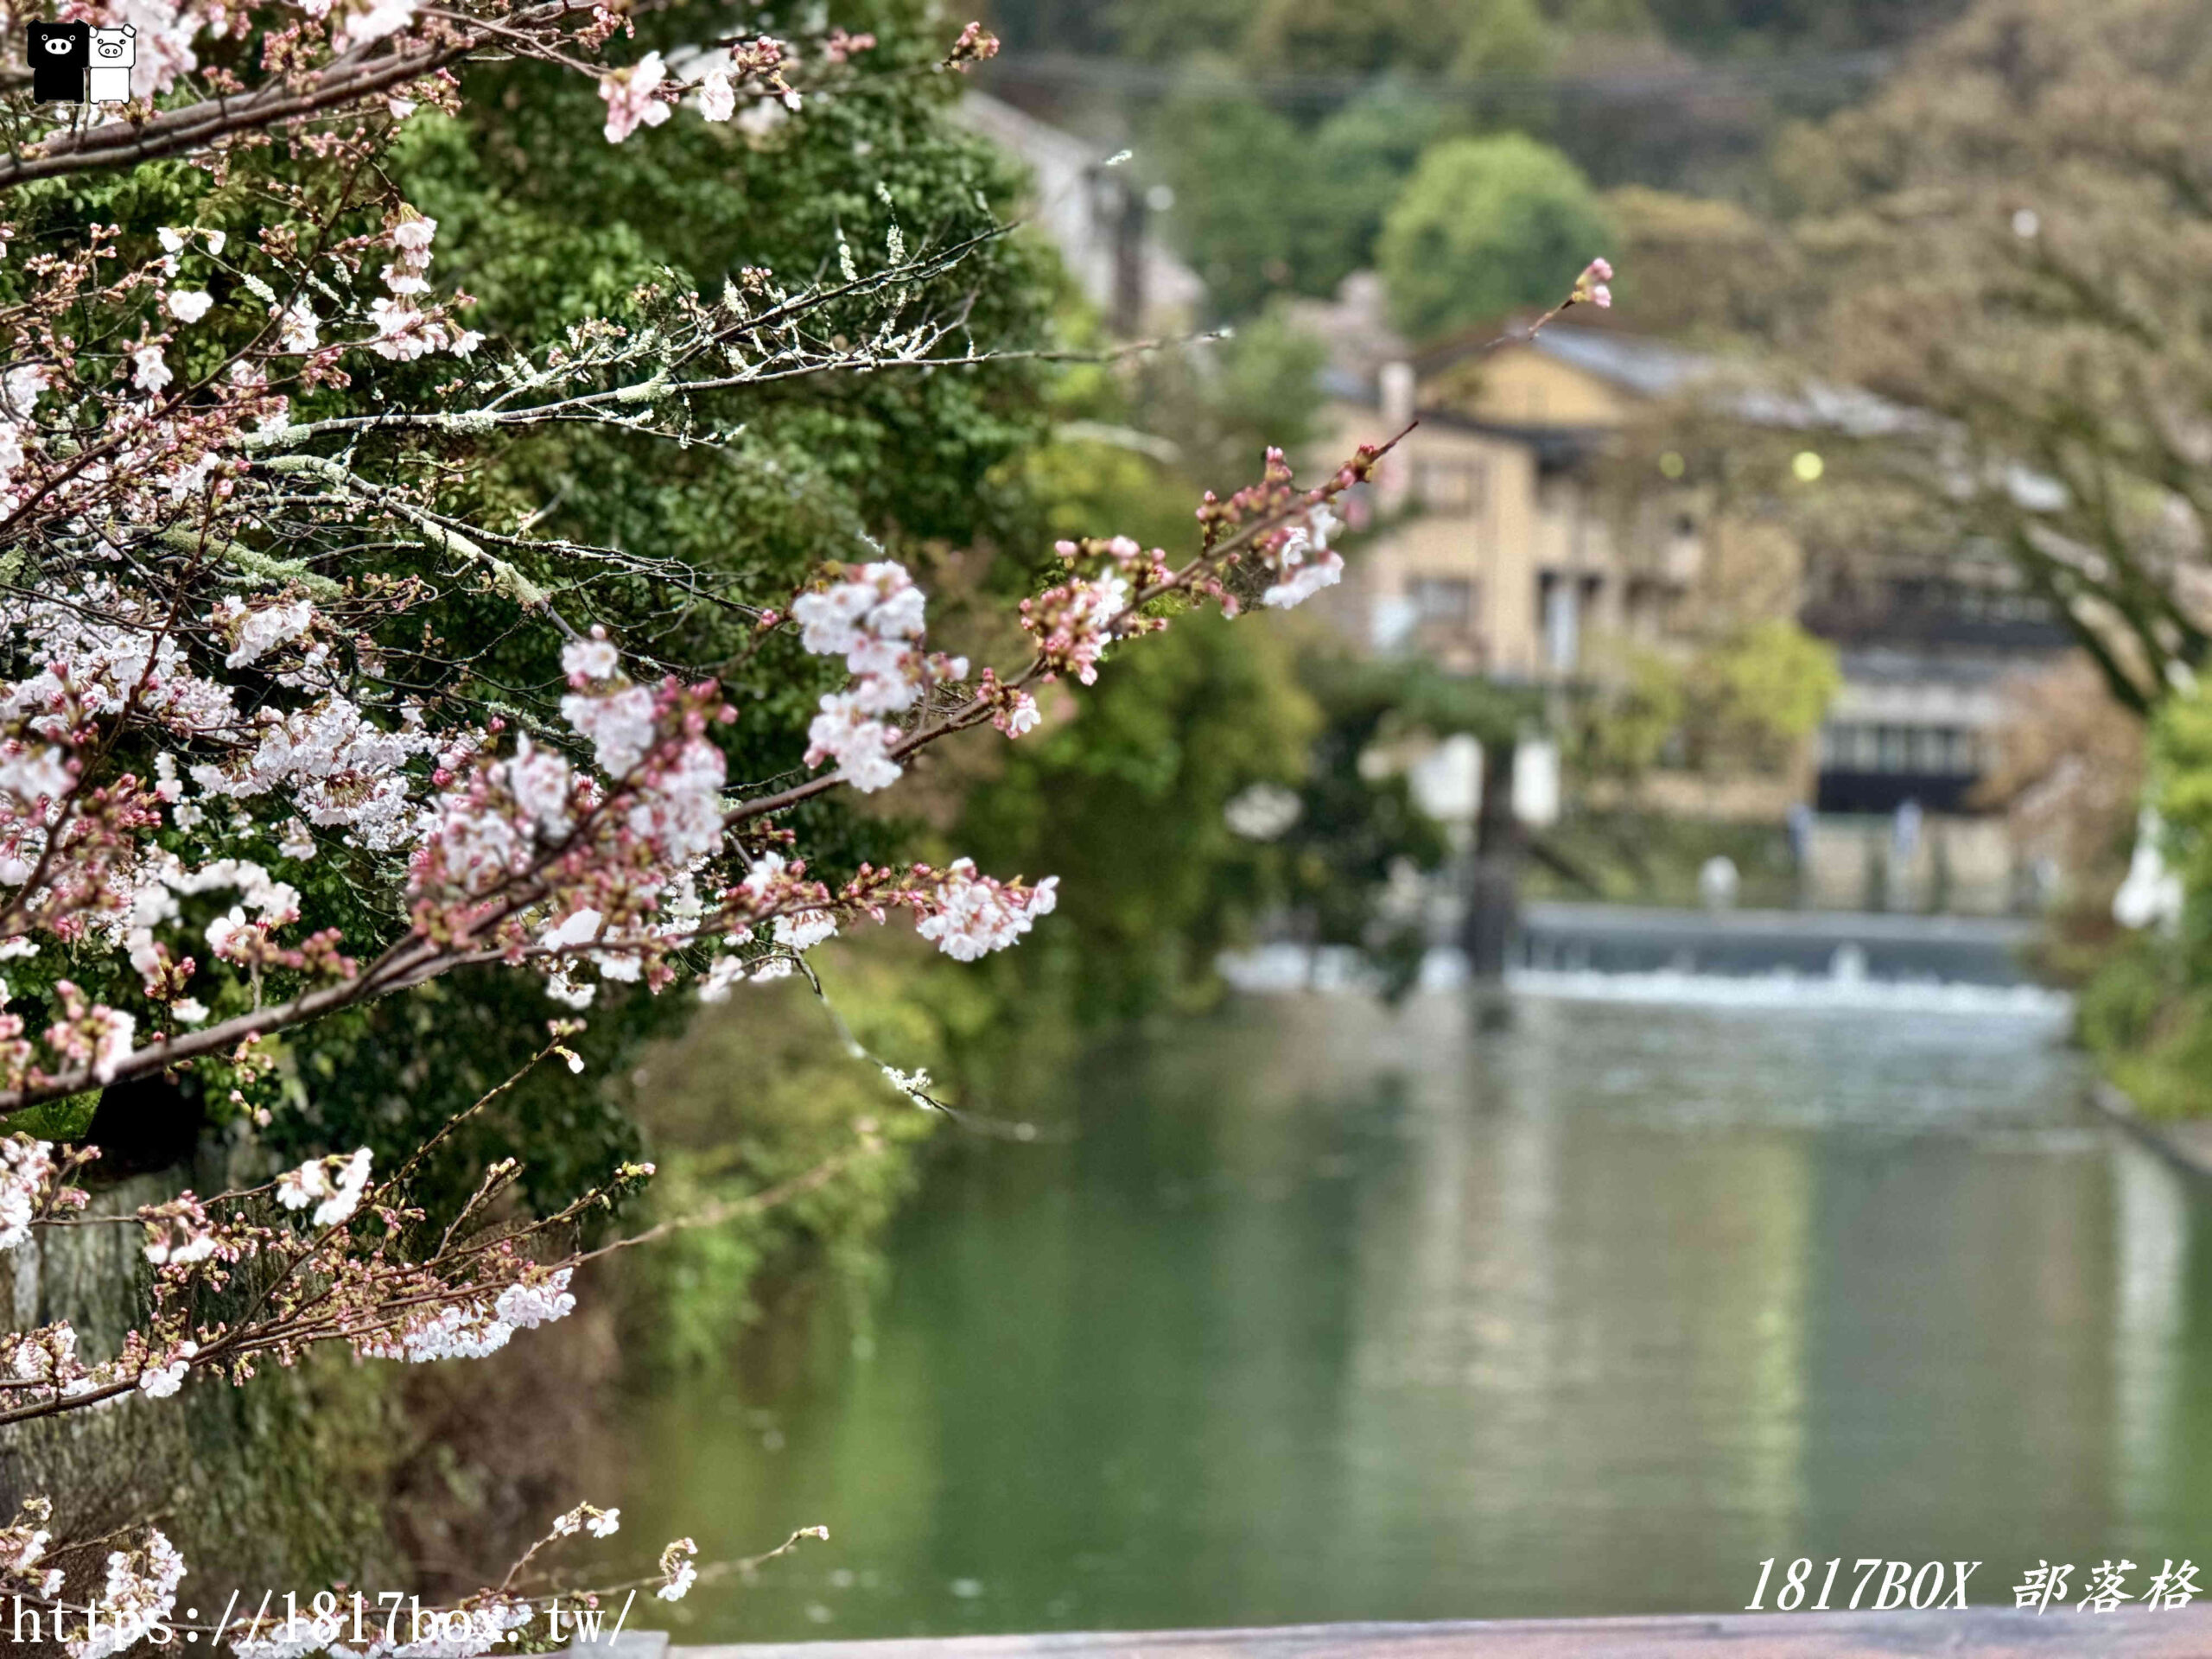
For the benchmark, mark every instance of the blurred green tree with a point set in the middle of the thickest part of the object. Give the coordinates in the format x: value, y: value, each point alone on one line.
x: 1755, y: 696
x: 1512, y: 37
x: 1235, y: 165
x: 1265, y: 207
x: 1362, y: 156
x: 1484, y: 226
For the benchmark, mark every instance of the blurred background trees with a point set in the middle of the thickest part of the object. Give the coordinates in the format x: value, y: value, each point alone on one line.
x: 1942, y: 206
x: 2014, y: 238
x: 1482, y: 229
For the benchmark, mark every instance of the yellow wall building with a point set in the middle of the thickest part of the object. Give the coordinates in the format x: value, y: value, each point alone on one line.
x: 1502, y: 554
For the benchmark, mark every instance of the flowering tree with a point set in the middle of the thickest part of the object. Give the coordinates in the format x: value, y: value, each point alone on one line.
x: 241, y: 527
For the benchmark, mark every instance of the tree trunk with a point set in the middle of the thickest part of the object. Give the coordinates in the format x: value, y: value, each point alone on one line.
x: 1493, y: 918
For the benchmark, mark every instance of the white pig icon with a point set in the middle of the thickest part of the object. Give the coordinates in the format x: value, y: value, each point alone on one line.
x: 114, y: 50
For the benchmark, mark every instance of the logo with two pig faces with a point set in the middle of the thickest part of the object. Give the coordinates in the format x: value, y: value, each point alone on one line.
x: 76, y: 63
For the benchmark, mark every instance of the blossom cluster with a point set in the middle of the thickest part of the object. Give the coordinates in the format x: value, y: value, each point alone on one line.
x: 871, y: 616
x: 44, y: 1373
x: 1074, y: 621
x: 634, y: 97
x: 1590, y: 286
x: 975, y: 44
x: 28, y: 1172
x: 551, y: 861
x: 973, y: 915
x: 476, y: 1328
x: 24, y: 1551
x: 678, y: 1570
x: 137, y: 1599
x: 780, y: 888
x: 405, y: 330
x: 334, y: 1186
x: 1302, y: 562
x: 643, y: 93
x: 182, y: 1233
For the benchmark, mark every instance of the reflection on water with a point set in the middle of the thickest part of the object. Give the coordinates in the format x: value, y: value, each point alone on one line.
x: 1334, y: 1312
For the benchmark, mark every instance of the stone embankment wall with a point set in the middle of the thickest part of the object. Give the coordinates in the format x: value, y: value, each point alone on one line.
x: 268, y: 1486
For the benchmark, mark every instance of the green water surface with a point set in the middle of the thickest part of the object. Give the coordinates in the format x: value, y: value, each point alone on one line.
x: 1331, y: 1312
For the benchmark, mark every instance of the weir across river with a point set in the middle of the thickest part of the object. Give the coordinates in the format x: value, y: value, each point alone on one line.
x: 1621, y: 939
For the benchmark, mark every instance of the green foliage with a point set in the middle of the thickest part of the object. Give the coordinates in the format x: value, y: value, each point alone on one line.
x: 2181, y: 766
x: 1510, y: 37
x: 1362, y: 156
x: 1369, y: 37
x: 1153, y: 30
x: 1764, y: 690
x: 1754, y: 28
x: 1485, y: 226
x: 1620, y: 731
x: 1405, y: 35
x: 385, y: 1075
x: 758, y: 1093
x: 2151, y: 1028
x: 1125, y: 802
x: 1244, y: 210
x: 1263, y: 207
x: 2146, y: 1011
x: 58, y: 1120
x: 1749, y: 699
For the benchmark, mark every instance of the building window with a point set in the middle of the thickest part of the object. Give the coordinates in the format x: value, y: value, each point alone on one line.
x: 1452, y: 487
x: 1919, y: 751
x: 1446, y: 603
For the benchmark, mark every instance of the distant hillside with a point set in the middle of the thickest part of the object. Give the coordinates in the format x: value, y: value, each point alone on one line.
x: 1426, y: 35
x: 1682, y: 95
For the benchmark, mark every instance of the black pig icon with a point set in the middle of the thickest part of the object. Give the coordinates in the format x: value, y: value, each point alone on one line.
x: 60, y: 55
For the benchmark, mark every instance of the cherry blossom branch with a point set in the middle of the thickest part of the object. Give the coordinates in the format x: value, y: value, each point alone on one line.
x: 1269, y: 521
x: 526, y: 859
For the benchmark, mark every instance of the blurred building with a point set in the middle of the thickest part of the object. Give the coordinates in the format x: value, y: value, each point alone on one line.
x: 1507, y: 562
x: 1502, y: 556
x: 1509, y: 548
x: 1933, y: 660
x: 1099, y: 218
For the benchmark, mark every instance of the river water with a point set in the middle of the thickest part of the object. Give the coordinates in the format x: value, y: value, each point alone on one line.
x: 1541, y: 1305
